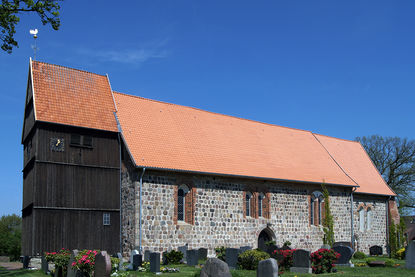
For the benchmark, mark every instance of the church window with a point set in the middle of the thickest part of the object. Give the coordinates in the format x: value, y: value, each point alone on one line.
x: 369, y: 218
x: 361, y: 219
x: 316, y: 208
x: 181, y: 202
x: 248, y: 200
x: 260, y: 203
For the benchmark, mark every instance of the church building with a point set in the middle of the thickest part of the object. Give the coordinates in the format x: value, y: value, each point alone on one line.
x: 112, y: 171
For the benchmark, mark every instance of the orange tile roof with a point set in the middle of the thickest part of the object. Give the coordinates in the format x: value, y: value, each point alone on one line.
x: 354, y: 160
x: 163, y: 135
x: 72, y: 97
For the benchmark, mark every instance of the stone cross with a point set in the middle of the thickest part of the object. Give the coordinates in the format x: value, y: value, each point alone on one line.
x: 102, y: 265
x: 301, y: 262
x: 154, y: 262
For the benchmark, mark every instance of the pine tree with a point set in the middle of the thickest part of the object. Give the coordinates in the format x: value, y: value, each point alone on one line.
x: 328, y: 223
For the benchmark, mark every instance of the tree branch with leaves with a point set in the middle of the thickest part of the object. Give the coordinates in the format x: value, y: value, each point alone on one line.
x: 48, y: 11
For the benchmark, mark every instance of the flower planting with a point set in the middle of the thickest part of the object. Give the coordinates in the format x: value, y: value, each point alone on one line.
x: 322, y: 260
x: 60, y: 258
x: 284, y: 258
x: 85, y: 261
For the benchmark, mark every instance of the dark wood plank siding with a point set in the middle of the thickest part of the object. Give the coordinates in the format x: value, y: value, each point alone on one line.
x: 75, y: 230
x: 27, y: 234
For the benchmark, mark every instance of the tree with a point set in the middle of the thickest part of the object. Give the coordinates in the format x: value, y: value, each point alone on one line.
x: 328, y: 222
x: 10, y: 236
x: 47, y: 10
x: 394, y: 157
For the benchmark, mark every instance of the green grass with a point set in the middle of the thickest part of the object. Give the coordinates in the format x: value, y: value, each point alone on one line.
x: 186, y: 271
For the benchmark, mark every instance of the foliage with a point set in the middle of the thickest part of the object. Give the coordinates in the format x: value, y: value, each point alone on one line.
x: 270, y: 242
x: 401, y: 228
x: 287, y: 243
x: 400, y: 254
x: 10, y: 236
x: 60, y: 258
x: 392, y: 239
x: 120, y: 274
x: 85, y: 261
x: 323, y: 260
x: 360, y: 264
x: 249, y: 259
x: 369, y: 260
x: 169, y: 270
x: 114, y: 264
x: 284, y: 258
x: 359, y: 255
x: 47, y: 10
x: 173, y: 257
x: 389, y: 262
x: 220, y: 253
x: 394, y: 158
x: 328, y: 222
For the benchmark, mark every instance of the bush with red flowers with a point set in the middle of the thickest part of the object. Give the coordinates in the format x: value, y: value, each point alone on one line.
x: 60, y: 258
x: 323, y: 260
x: 85, y: 261
x: 284, y: 258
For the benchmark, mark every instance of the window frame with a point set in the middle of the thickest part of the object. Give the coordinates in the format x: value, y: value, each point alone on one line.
x: 316, y: 209
x: 106, y: 219
x: 248, y: 204
x: 362, y: 219
x: 261, y: 198
x: 185, y: 190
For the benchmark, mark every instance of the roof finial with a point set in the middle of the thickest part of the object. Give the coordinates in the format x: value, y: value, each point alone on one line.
x: 34, y: 47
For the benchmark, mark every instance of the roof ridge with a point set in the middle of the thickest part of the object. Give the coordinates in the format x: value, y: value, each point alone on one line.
x: 67, y: 67
x: 216, y: 113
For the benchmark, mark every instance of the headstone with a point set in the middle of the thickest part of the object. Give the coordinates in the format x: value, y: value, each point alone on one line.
x: 301, y: 261
x: 346, y: 254
x: 192, y: 257
x: 45, y: 265
x: 26, y: 261
x: 244, y: 248
x: 267, y: 268
x: 163, y: 257
x: 137, y: 261
x: 147, y: 255
x: 203, y: 253
x: 72, y: 272
x: 102, y: 265
x: 231, y: 257
x: 133, y: 252
x: 375, y: 250
x: 183, y: 249
x: 215, y: 268
x: 343, y: 243
x: 271, y: 249
x: 154, y: 262
x: 410, y: 255
x: 377, y: 264
x: 325, y: 246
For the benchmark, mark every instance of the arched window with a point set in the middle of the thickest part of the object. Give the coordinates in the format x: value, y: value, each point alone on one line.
x: 369, y: 219
x: 181, y: 196
x: 361, y: 219
x: 260, y: 203
x: 248, y: 200
x: 316, y: 208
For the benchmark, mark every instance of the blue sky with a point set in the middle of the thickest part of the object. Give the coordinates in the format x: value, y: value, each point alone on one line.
x: 339, y: 68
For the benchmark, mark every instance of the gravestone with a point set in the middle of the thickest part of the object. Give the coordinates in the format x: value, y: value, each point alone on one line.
x: 163, y: 257
x: 346, y: 254
x: 45, y: 265
x: 192, y: 257
x: 215, y: 268
x: 375, y: 250
x: 301, y: 261
x: 271, y: 249
x: 231, y: 257
x: 137, y: 261
x: 154, y: 262
x: 342, y: 243
x: 102, y: 265
x: 183, y: 249
x: 147, y: 255
x: 26, y: 261
x: 244, y: 248
x: 203, y: 253
x: 410, y: 255
x: 267, y: 268
x: 120, y: 264
x: 133, y: 252
x: 72, y: 272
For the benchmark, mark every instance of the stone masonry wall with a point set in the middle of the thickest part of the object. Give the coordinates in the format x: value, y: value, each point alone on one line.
x: 377, y: 233
x: 219, y: 217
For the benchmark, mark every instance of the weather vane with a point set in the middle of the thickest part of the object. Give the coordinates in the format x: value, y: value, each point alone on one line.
x: 34, y: 33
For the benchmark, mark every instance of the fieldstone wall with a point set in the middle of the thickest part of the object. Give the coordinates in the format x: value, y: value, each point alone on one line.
x: 219, y: 213
x: 376, y: 235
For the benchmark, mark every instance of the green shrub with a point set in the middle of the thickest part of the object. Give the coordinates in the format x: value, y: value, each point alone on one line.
x: 389, y: 262
x: 286, y: 243
x: 369, y: 260
x: 249, y: 259
x: 60, y: 258
x: 328, y: 221
x: 173, y: 257
x: 271, y: 242
x: 400, y: 254
x: 114, y: 264
x: 220, y: 253
x: 359, y: 255
x: 10, y: 236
